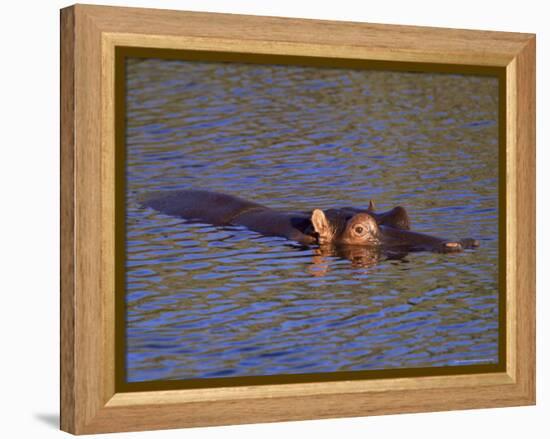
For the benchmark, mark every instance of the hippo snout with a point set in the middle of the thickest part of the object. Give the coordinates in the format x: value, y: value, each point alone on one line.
x: 457, y: 246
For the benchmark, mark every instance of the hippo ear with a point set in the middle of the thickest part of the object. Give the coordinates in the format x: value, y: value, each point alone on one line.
x: 321, y: 225
x: 371, y: 205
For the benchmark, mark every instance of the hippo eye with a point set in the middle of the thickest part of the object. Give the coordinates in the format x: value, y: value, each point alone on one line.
x: 359, y: 230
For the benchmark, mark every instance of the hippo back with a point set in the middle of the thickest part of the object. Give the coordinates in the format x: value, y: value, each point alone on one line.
x: 210, y: 207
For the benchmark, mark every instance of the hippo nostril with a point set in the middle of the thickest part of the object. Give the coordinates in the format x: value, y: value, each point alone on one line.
x: 470, y: 243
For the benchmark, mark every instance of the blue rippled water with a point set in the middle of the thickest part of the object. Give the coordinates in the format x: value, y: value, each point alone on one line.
x: 205, y: 301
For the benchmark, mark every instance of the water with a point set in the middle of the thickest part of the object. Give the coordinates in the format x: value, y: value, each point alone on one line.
x: 206, y: 301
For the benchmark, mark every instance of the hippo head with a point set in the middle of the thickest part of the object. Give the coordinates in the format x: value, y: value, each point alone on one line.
x: 336, y: 226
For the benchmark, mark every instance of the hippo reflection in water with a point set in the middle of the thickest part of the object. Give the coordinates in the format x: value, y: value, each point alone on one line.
x: 347, y: 231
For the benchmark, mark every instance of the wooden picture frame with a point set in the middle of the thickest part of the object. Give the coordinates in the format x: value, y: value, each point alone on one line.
x: 90, y: 400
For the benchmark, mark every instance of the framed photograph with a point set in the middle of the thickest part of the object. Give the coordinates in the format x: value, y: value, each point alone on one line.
x: 268, y: 219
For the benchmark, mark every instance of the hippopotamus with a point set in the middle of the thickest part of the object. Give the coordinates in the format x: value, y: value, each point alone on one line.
x: 347, y: 226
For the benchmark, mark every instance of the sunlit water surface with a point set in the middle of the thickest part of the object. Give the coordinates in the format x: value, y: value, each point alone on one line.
x: 206, y: 301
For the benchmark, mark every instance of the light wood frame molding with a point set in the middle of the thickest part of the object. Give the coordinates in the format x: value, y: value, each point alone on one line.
x: 89, y: 35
